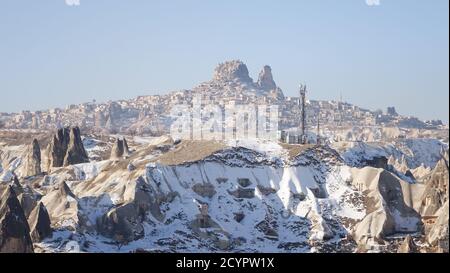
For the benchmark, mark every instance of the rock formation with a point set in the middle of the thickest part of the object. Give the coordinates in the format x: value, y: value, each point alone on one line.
x: 232, y: 71
x: 265, y: 79
x: 387, y: 208
x: 408, y: 246
x: 120, y: 149
x: 57, y: 148
x: 27, y: 200
x: 25, y: 196
x: 75, y: 151
x: 14, y: 229
x: 110, y: 125
x: 436, y: 189
x: 33, y: 159
x: 438, y: 236
x: 66, y: 148
x: 62, y: 206
x: 123, y: 223
x: 39, y: 222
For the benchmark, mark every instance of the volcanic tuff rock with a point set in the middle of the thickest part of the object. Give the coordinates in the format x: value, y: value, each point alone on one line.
x: 14, y: 229
x: 120, y: 149
x: 39, y: 222
x: 62, y: 206
x: 408, y: 246
x: 75, y: 151
x: 388, y: 212
x: 25, y: 195
x: 265, y: 79
x: 66, y: 148
x: 33, y: 159
x: 124, y: 222
x: 232, y: 71
x: 57, y: 148
x: 439, y: 233
x: 436, y: 189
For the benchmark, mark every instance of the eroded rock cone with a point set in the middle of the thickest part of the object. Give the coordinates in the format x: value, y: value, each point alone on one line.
x: 66, y: 148
x: 57, y: 148
x: 17, y: 187
x: 14, y: 229
x: 40, y: 225
x: 33, y: 160
x: 61, y: 205
x: 120, y: 149
x: 25, y: 195
x: 75, y: 151
x: 408, y: 246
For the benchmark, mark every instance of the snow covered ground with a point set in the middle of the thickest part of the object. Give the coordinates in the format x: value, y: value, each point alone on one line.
x: 279, y: 208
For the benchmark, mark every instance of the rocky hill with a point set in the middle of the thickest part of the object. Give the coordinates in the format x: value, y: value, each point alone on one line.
x: 230, y: 83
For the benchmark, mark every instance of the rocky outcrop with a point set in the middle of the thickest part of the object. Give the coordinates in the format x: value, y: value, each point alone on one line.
x: 62, y: 206
x: 232, y: 71
x: 14, y: 229
x: 33, y: 159
x: 120, y: 149
x: 40, y: 225
x: 387, y: 211
x: 110, y: 124
x: 408, y: 246
x: 75, y: 151
x: 265, y: 79
x: 378, y: 162
x: 436, y: 189
x: 27, y: 200
x: 438, y: 236
x: 25, y: 195
x: 66, y: 148
x: 122, y: 223
x: 57, y: 148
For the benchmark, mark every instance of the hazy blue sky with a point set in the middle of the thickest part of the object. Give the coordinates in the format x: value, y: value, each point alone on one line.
x: 396, y: 53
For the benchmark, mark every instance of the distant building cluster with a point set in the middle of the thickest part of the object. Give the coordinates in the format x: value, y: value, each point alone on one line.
x: 231, y: 85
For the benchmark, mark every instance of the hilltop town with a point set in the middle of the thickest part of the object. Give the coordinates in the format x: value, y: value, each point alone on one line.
x: 231, y: 85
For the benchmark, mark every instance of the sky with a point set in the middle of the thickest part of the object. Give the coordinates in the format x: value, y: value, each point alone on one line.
x: 373, y: 53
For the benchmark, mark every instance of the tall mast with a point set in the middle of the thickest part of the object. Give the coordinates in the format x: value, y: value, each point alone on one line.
x: 303, y: 114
